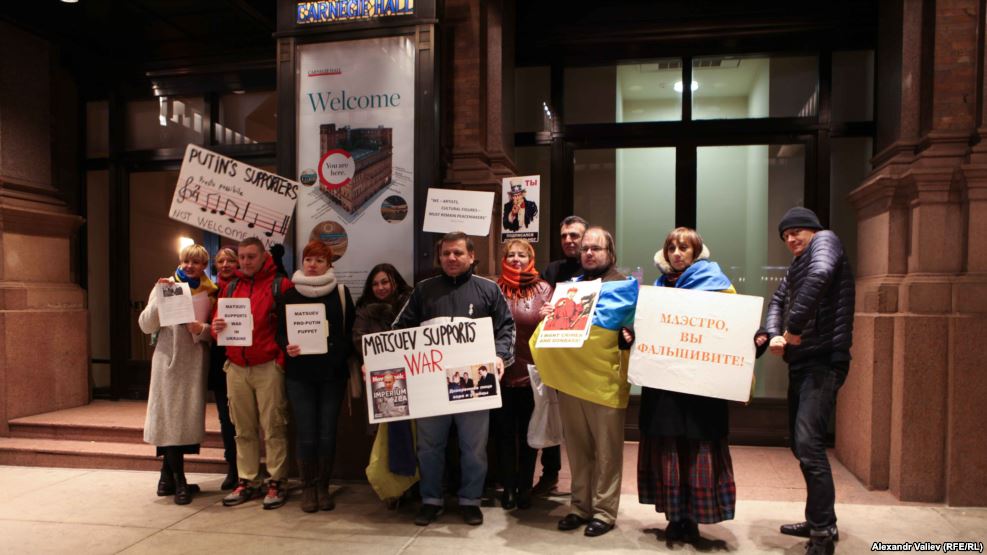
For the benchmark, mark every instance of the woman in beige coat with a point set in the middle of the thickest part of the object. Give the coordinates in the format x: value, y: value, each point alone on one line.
x: 177, y: 397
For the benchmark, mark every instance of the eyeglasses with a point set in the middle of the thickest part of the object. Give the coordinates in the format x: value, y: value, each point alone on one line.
x: 591, y: 248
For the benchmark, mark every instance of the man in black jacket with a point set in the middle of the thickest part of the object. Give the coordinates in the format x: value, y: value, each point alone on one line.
x: 454, y: 294
x: 810, y: 323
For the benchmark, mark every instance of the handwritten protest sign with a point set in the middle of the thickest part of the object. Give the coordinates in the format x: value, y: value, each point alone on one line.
x: 573, y: 306
x: 444, y: 368
x: 232, y: 199
x: 174, y: 304
x: 696, y: 342
x: 454, y: 210
x: 307, y: 327
x: 239, y: 330
x: 520, y: 196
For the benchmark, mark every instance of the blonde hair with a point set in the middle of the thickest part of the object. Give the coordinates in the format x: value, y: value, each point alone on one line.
x: 226, y: 252
x: 524, y: 245
x: 194, y: 252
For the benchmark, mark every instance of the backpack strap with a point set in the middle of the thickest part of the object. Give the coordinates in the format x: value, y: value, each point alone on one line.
x: 342, y: 300
x: 276, y: 285
x: 231, y: 286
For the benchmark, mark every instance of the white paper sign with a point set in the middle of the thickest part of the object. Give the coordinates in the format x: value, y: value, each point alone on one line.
x: 519, y: 218
x: 239, y: 330
x: 307, y: 327
x: 431, y: 370
x: 174, y: 302
x: 232, y: 199
x: 202, y: 304
x: 695, y: 342
x: 573, y: 304
x: 454, y: 210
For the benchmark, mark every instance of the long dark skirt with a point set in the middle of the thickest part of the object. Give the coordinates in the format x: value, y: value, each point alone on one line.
x: 687, y: 479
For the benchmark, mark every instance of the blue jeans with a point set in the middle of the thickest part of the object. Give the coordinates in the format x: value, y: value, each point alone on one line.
x: 433, y: 434
x: 811, y: 400
x: 315, y: 407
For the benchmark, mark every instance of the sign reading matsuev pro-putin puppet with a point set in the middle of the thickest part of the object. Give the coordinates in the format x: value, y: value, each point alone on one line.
x: 229, y: 198
x: 695, y: 342
x: 431, y: 370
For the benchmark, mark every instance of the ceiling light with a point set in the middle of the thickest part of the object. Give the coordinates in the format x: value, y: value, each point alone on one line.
x: 70, y: 1
x: 635, y: 88
x: 678, y: 86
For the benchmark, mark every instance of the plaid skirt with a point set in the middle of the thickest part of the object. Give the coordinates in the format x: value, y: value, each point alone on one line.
x: 687, y: 479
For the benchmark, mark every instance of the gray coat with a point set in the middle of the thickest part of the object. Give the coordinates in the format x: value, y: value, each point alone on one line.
x: 176, y: 402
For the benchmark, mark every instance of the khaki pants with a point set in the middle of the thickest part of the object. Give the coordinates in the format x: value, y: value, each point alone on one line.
x: 594, y: 442
x: 257, y: 400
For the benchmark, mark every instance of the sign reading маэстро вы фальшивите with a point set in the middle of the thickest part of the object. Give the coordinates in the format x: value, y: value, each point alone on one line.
x: 332, y: 11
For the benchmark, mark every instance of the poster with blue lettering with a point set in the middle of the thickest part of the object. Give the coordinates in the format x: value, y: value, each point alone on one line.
x: 444, y: 368
x: 356, y: 146
x: 229, y: 198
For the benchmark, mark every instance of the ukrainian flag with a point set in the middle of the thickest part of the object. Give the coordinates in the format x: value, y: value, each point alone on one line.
x: 597, y: 371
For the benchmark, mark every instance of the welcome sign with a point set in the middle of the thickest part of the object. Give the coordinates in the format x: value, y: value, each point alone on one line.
x: 431, y: 370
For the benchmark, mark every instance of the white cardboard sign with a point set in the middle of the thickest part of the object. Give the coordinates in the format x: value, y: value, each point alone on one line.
x: 431, y: 370
x: 454, y: 210
x: 239, y: 330
x: 232, y: 199
x: 307, y: 327
x: 696, y: 342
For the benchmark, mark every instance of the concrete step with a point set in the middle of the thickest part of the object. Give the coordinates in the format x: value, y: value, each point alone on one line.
x: 68, y: 453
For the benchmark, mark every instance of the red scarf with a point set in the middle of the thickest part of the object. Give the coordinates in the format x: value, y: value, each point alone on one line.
x: 517, y: 284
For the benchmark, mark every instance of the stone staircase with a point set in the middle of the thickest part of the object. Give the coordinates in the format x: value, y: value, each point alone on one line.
x: 102, y: 434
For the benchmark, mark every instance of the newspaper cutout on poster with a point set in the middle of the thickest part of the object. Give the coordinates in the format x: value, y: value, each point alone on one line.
x: 695, y: 342
x: 444, y: 368
x: 449, y: 210
x: 520, y: 213
x: 239, y: 330
x: 229, y: 198
x: 307, y: 327
x: 573, y: 305
x: 174, y: 302
x: 356, y: 154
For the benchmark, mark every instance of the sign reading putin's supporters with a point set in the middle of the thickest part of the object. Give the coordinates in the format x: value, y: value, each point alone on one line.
x: 445, y: 368
x: 695, y: 342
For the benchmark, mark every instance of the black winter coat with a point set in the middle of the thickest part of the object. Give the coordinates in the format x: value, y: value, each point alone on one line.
x: 815, y: 300
x: 331, y: 365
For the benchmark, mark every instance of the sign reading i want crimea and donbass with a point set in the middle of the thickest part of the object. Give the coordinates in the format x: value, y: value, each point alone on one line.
x: 332, y: 11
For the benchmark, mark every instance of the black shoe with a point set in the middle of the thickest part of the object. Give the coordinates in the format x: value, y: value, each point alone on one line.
x: 508, y: 500
x: 597, y: 527
x: 571, y: 521
x: 820, y: 545
x: 168, y: 488
x: 472, y: 515
x: 546, y: 485
x: 803, y: 530
x: 428, y: 514
x: 675, y: 531
x: 524, y: 500
x: 690, y: 531
x: 183, y: 494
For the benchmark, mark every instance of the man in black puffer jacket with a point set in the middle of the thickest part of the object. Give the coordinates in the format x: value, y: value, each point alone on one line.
x: 810, y: 323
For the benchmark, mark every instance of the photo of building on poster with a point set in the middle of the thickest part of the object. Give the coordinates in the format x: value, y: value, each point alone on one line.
x: 390, y: 393
x: 369, y: 167
x: 471, y: 382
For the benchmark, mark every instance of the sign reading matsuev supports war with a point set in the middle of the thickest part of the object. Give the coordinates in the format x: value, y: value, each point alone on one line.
x: 696, y: 342
x: 431, y: 370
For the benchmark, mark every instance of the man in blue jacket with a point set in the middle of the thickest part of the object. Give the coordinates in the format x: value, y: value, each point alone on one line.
x: 455, y: 294
x: 810, y: 324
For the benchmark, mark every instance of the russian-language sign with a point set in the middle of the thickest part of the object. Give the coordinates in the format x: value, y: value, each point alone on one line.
x: 232, y: 199
x: 431, y: 370
x: 695, y: 342
x: 519, y: 218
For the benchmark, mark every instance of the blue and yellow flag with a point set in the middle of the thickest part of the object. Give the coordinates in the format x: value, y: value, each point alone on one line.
x: 597, y: 371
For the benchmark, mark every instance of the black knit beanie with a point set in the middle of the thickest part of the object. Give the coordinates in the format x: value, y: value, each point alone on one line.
x: 799, y: 217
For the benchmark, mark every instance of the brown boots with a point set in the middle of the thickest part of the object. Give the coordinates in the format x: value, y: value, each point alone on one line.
x: 315, y: 484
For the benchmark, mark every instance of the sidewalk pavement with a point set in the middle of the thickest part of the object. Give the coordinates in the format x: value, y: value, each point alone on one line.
x: 78, y: 511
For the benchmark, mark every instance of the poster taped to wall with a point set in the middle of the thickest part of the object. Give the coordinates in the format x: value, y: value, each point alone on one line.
x: 696, y: 342
x: 521, y: 197
x: 356, y: 122
x: 448, y: 210
x: 232, y: 199
x: 431, y: 370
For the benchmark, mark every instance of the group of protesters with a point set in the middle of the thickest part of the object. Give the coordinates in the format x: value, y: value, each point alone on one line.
x: 684, y: 464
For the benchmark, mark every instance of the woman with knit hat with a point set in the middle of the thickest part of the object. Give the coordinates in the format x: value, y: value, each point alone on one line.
x: 176, y: 401
x: 526, y: 292
x: 316, y: 383
x: 684, y: 466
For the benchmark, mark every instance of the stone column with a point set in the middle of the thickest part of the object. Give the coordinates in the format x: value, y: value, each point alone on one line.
x: 476, y: 157
x: 916, y: 382
x: 44, y: 332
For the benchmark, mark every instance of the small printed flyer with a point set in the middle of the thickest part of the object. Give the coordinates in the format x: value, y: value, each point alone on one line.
x: 455, y: 210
